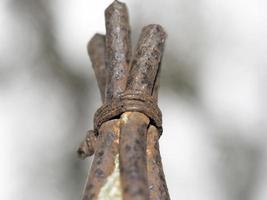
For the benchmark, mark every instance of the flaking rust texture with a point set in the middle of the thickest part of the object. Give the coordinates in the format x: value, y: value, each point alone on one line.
x: 103, y: 164
x: 146, y: 59
x: 117, y: 55
x: 127, y: 162
x: 118, y: 48
x: 96, y: 50
x: 132, y: 155
x: 133, y: 132
x: 156, y: 179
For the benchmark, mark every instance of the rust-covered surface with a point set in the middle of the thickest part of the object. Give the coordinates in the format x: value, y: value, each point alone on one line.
x: 87, y: 146
x: 130, y: 100
x: 96, y: 50
x: 156, y: 179
x: 118, y: 48
x: 133, y: 155
x: 146, y: 59
x: 127, y: 162
x: 104, y: 158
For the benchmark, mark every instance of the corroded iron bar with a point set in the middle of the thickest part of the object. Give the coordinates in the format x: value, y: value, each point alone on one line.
x: 140, y: 164
x: 96, y: 51
x: 117, y: 52
x: 104, y: 161
x: 133, y: 135
x: 118, y: 48
x: 156, y: 178
x: 105, y: 144
x: 146, y: 59
x: 133, y: 156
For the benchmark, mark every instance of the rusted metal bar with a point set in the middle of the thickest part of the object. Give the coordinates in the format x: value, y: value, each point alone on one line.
x: 117, y: 54
x: 147, y: 57
x: 118, y: 48
x: 133, y: 155
x: 105, y: 144
x: 156, y: 179
x: 126, y: 143
x: 134, y: 125
x: 96, y: 50
x: 104, y: 161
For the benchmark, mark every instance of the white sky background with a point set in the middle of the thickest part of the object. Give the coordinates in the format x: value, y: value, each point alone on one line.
x: 211, y: 143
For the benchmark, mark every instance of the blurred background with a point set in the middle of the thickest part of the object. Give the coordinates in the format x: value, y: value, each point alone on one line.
x: 213, y: 94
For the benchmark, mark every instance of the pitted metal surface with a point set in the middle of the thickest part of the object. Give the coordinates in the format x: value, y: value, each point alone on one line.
x: 128, y: 125
x: 135, y: 101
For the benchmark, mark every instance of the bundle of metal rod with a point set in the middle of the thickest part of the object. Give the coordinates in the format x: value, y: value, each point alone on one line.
x: 127, y: 162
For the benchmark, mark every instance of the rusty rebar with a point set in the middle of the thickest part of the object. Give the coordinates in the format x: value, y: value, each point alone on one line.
x: 146, y: 59
x: 103, y: 163
x: 133, y: 155
x: 156, y: 179
x: 131, y: 138
x: 96, y: 50
x: 105, y: 146
x: 118, y: 48
x: 117, y: 52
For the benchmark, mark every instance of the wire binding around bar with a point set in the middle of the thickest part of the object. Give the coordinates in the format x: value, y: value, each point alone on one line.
x: 129, y: 101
